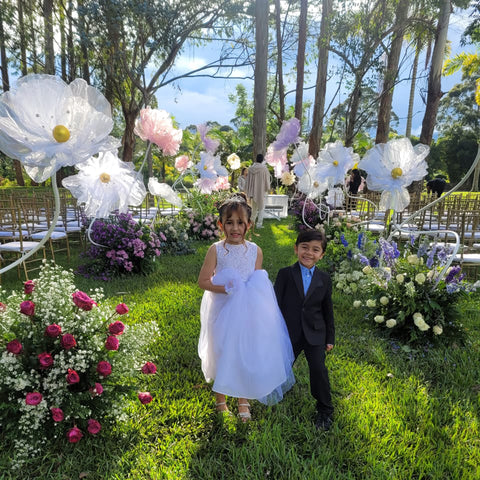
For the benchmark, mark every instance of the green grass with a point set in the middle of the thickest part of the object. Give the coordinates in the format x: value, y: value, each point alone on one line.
x: 398, y: 414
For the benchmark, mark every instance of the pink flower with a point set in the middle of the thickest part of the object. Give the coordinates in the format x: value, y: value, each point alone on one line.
x: 83, y: 301
x: 222, y: 183
x: 149, y: 368
x: 93, y: 426
x: 27, y: 308
x: 144, y: 397
x: 205, y: 185
x: 57, y: 414
x: 104, y: 368
x: 116, y: 328
x: 72, y: 377
x: 3, y: 307
x: 53, y: 330
x: 28, y: 287
x: 182, y: 163
x: 121, y: 309
x: 74, y: 435
x: 33, y: 398
x: 14, y: 347
x: 45, y: 360
x: 96, y: 390
x: 68, y: 341
x: 112, y: 343
x: 156, y: 126
x: 210, y: 144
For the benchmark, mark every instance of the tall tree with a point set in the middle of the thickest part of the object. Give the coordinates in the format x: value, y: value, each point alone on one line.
x: 391, y: 73
x: 47, y: 7
x: 315, y: 138
x: 302, y: 42
x: 260, y: 85
x: 281, y: 86
x: 22, y: 38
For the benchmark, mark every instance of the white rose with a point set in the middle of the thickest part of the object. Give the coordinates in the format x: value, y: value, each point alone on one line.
x: 437, y: 330
x: 368, y: 269
x: 384, y: 300
x: 371, y: 303
x: 420, y: 278
x: 357, y: 303
x: 400, y: 278
x: 391, y: 322
x: 417, y: 316
x: 412, y: 260
x: 354, y: 287
x: 423, y: 326
x: 379, y: 318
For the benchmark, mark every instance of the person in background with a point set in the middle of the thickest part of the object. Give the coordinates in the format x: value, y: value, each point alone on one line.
x: 257, y: 186
x: 437, y: 185
x: 242, y: 180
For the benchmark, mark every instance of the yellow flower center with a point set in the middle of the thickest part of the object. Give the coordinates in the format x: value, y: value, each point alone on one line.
x: 205, y: 167
x: 61, y: 134
x: 104, y: 177
x: 335, y: 162
x: 397, y: 172
x: 315, y: 184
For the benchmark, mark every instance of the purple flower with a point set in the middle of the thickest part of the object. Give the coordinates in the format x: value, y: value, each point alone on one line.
x: 343, y: 240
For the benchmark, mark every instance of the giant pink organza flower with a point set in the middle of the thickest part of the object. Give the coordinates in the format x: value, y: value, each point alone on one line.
x: 156, y: 126
x: 182, y: 163
x: 205, y: 185
x: 278, y: 160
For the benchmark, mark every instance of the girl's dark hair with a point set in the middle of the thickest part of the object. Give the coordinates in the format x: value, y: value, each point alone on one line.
x: 233, y: 204
x: 306, y: 236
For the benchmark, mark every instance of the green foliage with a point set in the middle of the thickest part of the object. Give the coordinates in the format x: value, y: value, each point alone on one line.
x: 173, y: 233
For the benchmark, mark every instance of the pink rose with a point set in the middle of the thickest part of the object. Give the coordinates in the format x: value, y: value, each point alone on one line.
x: 14, y: 347
x: 149, y: 368
x: 45, y: 360
x: 33, y: 398
x: 93, y: 426
x: 96, y: 390
x: 83, y: 301
x: 3, y: 307
x: 27, y: 308
x: 116, y: 328
x: 182, y: 163
x: 28, y: 287
x: 112, y: 343
x: 144, y: 397
x: 53, y: 330
x: 104, y: 368
x: 57, y: 414
x: 74, y: 435
x: 121, y: 309
x: 68, y: 341
x: 72, y: 377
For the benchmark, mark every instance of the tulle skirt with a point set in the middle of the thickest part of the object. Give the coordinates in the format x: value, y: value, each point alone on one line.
x: 244, y: 344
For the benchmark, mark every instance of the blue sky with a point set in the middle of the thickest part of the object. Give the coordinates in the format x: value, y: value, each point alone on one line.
x: 196, y: 100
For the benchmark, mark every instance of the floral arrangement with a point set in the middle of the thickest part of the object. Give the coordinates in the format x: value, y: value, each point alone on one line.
x: 123, y: 246
x: 407, y: 293
x: 63, y: 362
x: 175, y: 230
x: 203, y: 227
x: 306, y: 212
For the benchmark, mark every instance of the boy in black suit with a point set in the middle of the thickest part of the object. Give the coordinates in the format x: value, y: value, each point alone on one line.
x: 304, y: 295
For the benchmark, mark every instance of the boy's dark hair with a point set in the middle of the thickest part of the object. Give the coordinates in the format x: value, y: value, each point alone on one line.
x: 259, y: 158
x: 311, y: 234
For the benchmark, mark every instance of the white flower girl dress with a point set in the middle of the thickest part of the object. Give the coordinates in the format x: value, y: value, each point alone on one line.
x: 244, y: 344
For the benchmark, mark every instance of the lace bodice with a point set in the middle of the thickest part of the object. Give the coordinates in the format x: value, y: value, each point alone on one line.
x: 241, y: 258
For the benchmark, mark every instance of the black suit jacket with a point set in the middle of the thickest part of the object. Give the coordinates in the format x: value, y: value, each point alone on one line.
x: 313, y: 312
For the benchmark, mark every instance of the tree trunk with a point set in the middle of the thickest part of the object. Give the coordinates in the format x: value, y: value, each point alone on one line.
x: 302, y: 42
x: 33, y: 36
x: 83, y: 43
x: 63, y: 43
x: 281, y: 87
x: 260, y: 86
x: 321, y: 84
x: 385, y: 110
x: 352, y: 116
x: 128, y: 139
x: 408, y: 129
x: 434, y: 79
x: 48, y: 29
x: 22, y: 35
x: 70, y: 44
x: 3, y: 53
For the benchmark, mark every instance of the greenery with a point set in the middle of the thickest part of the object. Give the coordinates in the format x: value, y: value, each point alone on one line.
x: 400, y: 412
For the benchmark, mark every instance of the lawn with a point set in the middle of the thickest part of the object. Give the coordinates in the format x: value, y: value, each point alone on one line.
x: 400, y: 413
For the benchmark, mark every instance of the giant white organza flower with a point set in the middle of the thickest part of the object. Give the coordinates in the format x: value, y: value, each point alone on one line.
x: 301, y: 159
x: 210, y: 166
x: 105, y: 184
x: 156, y: 126
x: 311, y: 186
x: 288, y: 178
x: 47, y: 124
x: 165, y: 191
x: 210, y: 144
x: 393, y: 166
x: 335, y: 197
x: 233, y: 161
x: 333, y: 162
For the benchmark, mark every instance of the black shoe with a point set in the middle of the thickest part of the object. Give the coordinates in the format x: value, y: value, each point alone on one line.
x: 323, y: 422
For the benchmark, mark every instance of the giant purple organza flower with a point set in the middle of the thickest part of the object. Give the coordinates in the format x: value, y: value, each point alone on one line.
x: 288, y: 134
x: 210, y: 144
x: 156, y: 126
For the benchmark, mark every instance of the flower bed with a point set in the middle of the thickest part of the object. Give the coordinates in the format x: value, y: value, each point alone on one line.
x: 64, y: 359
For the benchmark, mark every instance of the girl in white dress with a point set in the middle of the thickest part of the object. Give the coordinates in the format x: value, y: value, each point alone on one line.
x: 244, y: 344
